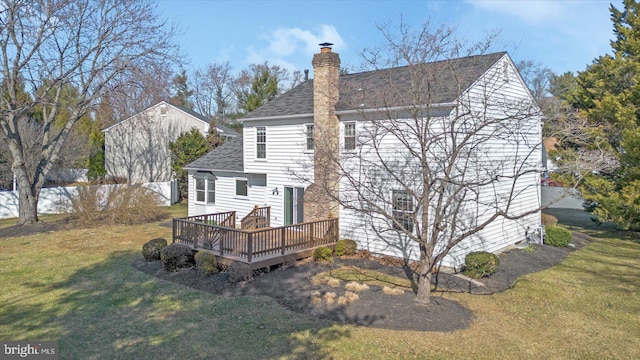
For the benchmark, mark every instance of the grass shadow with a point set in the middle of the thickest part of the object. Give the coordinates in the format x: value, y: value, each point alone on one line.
x: 111, y: 310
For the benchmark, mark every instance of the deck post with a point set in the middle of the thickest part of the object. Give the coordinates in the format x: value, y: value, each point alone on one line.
x: 282, y: 237
x: 175, y: 222
x: 249, y: 246
x: 312, y: 240
x: 220, y: 243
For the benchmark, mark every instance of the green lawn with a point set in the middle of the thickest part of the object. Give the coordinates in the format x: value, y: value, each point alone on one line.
x: 78, y: 287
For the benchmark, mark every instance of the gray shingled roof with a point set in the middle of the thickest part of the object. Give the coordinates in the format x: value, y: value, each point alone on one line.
x: 225, y: 130
x: 445, y: 81
x: 226, y: 157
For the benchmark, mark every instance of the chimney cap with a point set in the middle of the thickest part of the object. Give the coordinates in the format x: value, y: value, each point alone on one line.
x: 325, y: 44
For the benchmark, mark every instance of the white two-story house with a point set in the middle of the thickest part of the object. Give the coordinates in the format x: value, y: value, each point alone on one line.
x: 351, y: 146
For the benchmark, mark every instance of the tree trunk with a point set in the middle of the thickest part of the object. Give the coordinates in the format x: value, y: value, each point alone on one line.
x: 28, y: 203
x: 28, y: 195
x: 424, y: 282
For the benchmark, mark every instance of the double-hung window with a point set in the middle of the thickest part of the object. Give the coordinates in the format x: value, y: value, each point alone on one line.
x: 402, y: 210
x: 310, y: 139
x: 205, y: 190
x: 350, y: 136
x: 261, y: 143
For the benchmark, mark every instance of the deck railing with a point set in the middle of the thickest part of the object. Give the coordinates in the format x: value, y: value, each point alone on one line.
x: 226, y: 219
x: 258, y: 218
x: 253, y: 245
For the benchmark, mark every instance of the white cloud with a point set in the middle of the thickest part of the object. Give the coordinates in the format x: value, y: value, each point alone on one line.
x: 286, y: 41
x: 288, y: 46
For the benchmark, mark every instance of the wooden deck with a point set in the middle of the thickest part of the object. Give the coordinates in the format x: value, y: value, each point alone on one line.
x: 259, y: 248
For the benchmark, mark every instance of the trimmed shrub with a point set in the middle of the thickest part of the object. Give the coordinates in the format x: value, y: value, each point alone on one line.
x: 239, y: 272
x: 557, y: 236
x: 323, y: 254
x: 151, y: 249
x: 206, y: 263
x: 176, y: 256
x: 549, y: 220
x: 346, y: 247
x: 480, y: 264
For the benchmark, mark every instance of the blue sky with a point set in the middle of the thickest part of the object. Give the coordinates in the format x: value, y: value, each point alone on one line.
x: 562, y: 35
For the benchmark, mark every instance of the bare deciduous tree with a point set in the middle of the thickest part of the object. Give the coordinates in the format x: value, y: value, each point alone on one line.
x: 536, y: 76
x: 92, y: 46
x: 441, y: 151
x: 213, y: 92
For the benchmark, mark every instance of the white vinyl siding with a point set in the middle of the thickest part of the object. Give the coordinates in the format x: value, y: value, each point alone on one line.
x: 500, y: 151
x: 225, y: 197
x: 287, y: 155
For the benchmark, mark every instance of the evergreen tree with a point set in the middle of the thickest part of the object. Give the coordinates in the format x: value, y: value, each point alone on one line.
x: 95, y: 162
x: 263, y: 87
x: 608, y: 94
x: 183, y: 94
x: 188, y: 147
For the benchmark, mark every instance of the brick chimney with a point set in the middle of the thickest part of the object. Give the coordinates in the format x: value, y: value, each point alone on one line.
x: 320, y: 197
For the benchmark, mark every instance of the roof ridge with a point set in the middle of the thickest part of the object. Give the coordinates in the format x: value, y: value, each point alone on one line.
x: 501, y: 53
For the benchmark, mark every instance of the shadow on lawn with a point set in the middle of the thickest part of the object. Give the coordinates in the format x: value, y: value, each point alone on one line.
x: 111, y: 310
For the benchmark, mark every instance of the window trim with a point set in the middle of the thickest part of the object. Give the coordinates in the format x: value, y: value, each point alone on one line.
x: 351, y: 138
x: 263, y: 142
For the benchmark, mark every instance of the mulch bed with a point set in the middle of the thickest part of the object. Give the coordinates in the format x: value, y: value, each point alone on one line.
x: 293, y: 289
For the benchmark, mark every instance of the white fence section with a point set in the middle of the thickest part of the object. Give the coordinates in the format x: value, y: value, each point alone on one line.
x: 56, y: 200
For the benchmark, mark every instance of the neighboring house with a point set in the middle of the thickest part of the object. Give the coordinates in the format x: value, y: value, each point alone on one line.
x: 137, y: 149
x: 273, y: 163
